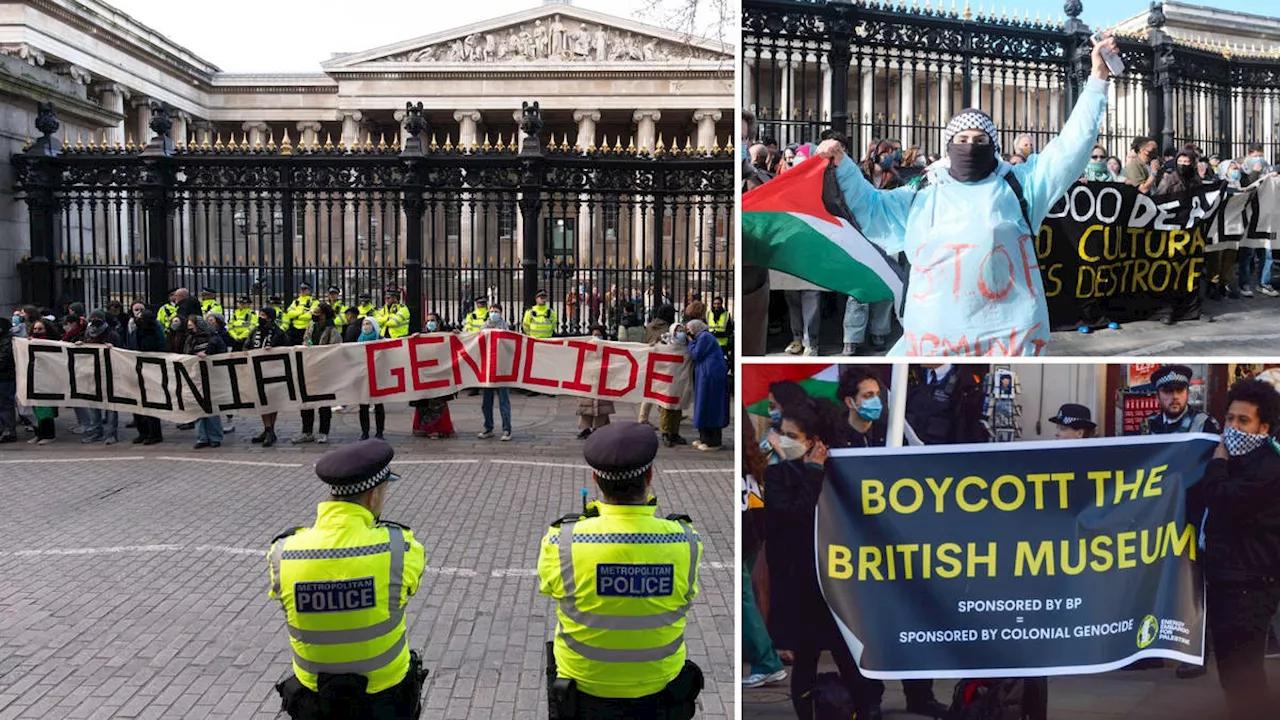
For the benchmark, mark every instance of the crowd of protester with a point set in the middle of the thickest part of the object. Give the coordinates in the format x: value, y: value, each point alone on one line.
x: 1236, y: 507
x: 200, y: 327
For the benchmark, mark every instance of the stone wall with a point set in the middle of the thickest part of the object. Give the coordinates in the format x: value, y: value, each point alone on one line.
x: 21, y: 86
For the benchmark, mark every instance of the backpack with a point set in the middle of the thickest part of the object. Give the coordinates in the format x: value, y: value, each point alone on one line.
x: 997, y: 699
x: 1014, y: 184
x: 830, y: 699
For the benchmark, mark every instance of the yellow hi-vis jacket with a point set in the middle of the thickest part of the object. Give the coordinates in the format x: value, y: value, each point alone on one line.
x: 623, y: 583
x: 719, y: 327
x: 393, y: 320
x: 366, y: 310
x: 166, y: 313
x: 339, y: 313
x: 211, y: 306
x: 343, y: 584
x: 241, y: 323
x: 539, y: 321
x: 475, y: 320
x: 299, y: 313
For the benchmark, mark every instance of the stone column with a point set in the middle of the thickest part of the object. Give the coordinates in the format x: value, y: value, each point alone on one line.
x: 586, y: 120
x: 142, y: 132
x: 647, y: 130
x: 748, y: 86
x: 1268, y: 135
x: 308, y: 132
x: 113, y: 96
x: 402, y: 117
x: 520, y: 136
x: 866, y: 111
x: 788, y: 99
x: 350, y: 127
x: 1055, y: 98
x: 204, y: 131
x: 907, y: 120
x: 257, y: 131
x: 997, y: 109
x: 706, y: 120
x: 467, y: 120
x: 178, y: 133
x: 826, y: 93
x: 944, y: 106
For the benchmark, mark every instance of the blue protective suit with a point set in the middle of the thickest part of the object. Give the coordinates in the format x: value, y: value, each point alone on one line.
x: 975, y: 286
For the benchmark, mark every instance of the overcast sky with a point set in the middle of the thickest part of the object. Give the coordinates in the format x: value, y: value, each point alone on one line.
x: 267, y: 36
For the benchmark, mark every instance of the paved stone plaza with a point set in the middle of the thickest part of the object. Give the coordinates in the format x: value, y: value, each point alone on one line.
x: 133, y: 583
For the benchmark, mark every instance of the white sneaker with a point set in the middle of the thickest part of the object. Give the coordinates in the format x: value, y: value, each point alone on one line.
x: 45, y: 441
x: 110, y: 441
x: 1246, y: 292
x: 506, y: 436
x: 338, y: 408
x: 301, y: 438
x: 697, y: 445
x: 322, y: 439
x: 77, y: 430
x: 809, y: 352
x: 1268, y: 291
x: 484, y: 434
x: 756, y: 680
x: 228, y: 428
x: 795, y: 348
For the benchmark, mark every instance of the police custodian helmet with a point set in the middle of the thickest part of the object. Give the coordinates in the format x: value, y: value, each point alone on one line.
x: 356, y: 468
x: 1175, y: 377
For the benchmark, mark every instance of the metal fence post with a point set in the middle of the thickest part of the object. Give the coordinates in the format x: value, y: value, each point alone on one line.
x: 659, y: 218
x: 413, y: 158
x: 41, y: 189
x: 1164, y: 65
x: 1078, y: 52
x: 531, y: 181
x: 840, y: 33
x: 157, y: 203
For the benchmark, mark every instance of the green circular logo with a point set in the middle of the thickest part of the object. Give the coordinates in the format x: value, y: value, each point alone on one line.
x: 1148, y: 631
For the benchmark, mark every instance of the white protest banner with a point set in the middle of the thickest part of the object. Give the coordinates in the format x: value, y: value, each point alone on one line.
x: 185, y: 387
x: 1249, y: 219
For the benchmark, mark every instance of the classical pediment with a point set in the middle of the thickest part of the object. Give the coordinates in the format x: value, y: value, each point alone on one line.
x: 549, y: 35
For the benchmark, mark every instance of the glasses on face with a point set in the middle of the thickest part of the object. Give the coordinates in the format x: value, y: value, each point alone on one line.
x: 1098, y: 157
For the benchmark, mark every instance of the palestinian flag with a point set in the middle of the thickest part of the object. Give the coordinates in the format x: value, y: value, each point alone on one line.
x: 817, y: 381
x: 799, y: 224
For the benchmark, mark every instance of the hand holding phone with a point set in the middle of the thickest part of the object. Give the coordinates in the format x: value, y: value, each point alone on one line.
x: 1104, y: 48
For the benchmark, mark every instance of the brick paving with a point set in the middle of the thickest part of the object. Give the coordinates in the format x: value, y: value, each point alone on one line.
x: 136, y: 588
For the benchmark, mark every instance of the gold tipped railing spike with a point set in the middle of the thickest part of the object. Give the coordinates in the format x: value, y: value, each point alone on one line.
x: 448, y: 144
x: 486, y: 147
x: 27, y: 145
x: 661, y: 146
x: 433, y: 146
x: 286, y: 145
x: 968, y: 14
x: 514, y: 145
x: 129, y: 145
x: 617, y: 143
x: 382, y: 140
x: 328, y: 142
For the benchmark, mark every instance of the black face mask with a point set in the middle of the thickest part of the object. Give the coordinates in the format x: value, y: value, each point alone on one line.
x: 971, y: 162
x: 1187, y: 171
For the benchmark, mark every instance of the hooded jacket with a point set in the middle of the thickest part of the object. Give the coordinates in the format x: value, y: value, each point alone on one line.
x: 267, y: 335
x: 975, y: 285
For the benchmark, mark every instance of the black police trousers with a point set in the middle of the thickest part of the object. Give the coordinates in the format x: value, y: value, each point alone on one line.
x: 350, y: 702
x: 1239, y: 618
x: 676, y: 702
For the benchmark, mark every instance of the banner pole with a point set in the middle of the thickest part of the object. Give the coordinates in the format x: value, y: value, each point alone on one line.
x: 897, y: 404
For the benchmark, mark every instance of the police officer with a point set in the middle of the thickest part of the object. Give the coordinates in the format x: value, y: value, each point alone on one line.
x: 393, y: 318
x: 274, y: 302
x: 343, y: 584
x: 1176, y: 416
x: 540, y: 320
x: 944, y: 405
x: 168, y: 311
x: 1074, y: 422
x: 298, y: 316
x: 243, y: 320
x: 476, y: 319
x: 209, y: 302
x: 721, y: 325
x: 339, y: 307
x: 623, y: 580
x: 366, y: 308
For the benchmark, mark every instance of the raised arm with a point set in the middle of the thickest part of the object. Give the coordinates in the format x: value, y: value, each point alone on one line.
x: 1065, y: 158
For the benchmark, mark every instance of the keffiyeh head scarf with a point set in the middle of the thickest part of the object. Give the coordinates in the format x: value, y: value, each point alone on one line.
x: 971, y: 119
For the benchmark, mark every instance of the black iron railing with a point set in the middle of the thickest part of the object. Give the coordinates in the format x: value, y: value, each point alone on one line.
x: 596, y: 228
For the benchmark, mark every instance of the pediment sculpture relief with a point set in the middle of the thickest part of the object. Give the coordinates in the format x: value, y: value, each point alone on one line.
x: 553, y: 39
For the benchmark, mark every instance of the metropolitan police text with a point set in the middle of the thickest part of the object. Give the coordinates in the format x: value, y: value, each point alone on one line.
x: 1010, y: 493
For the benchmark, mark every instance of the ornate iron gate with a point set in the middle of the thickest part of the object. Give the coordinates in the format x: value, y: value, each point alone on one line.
x: 879, y: 70
x: 595, y: 227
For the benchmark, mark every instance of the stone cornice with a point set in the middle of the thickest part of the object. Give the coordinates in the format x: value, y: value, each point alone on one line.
x: 68, y: 105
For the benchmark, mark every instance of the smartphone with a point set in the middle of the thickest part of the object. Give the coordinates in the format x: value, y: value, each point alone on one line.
x: 1111, y: 58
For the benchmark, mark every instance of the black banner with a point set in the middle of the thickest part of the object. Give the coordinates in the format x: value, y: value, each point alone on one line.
x: 1014, y: 559
x: 1109, y: 253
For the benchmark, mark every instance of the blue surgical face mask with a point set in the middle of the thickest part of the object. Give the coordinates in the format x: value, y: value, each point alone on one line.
x: 870, y: 409
x: 681, y: 336
x: 886, y: 162
x: 775, y: 418
x: 432, y: 325
x: 1235, y: 174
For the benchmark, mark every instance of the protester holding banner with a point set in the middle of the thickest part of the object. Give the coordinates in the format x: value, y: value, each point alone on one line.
x: 654, y: 332
x: 495, y: 321
x: 321, y: 331
x: 976, y: 286
x: 8, y: 384
x: 267, y: 334
x: 431, y: 417
x: 1241, y: 537
x: 799, y: 619
x: 146, y: 336
x: 759, y: 655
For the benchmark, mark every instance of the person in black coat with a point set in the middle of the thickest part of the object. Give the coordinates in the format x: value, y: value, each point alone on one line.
x: 1241, y: 493
x: 267, y: 334
x: 799, y: 619
x: 8, y: 384
x: 147, y: 336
